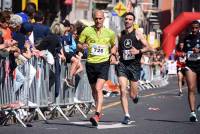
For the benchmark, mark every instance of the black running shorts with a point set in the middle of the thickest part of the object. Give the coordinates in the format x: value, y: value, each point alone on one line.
x: 194, y: 66
x: 68, y: 56
x: 130, y: 71
x: 181, y: 69
x: 97, y: 70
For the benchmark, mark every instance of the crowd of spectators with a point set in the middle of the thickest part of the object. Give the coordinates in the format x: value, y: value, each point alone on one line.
x: 24, y: 36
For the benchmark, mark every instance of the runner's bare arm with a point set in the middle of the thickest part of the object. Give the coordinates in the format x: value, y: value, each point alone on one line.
x: 114, y: 52
x: 146, y: 46
x: 82, y: 46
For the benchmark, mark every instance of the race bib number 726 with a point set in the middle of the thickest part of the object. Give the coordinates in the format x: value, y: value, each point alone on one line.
x: 98, y: 50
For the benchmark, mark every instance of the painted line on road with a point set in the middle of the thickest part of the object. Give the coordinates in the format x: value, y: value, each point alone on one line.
x: 148, y: 95
x: 106, y: 125
x: 52, y: 128
x: 117, y: 125
x: 111, y: 105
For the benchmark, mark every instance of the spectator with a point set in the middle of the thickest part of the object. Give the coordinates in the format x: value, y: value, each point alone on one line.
x: 70, y: 48
x: 4, y: 25
x: 39, y: 29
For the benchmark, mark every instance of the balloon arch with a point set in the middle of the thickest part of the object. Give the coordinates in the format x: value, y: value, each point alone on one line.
x: 176, y: 27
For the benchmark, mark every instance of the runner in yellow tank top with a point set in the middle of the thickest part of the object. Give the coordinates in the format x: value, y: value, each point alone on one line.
x: 100, y: 43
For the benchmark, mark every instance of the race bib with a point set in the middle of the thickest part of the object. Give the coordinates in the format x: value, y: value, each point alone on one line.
x: 66, y: 48
x: 98, y: 50
x: 127, y: 55
x: 189, y: 53
x: 194, y: 57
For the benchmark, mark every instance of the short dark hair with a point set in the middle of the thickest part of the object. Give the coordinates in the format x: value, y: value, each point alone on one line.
x: 39, y: 16
x: 195, y: 22
x: 30, y: 9
x: 66, y: 23
x: 129, y: 13
x: 4, y: 16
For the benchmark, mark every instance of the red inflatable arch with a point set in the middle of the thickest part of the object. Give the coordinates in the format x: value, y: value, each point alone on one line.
x: 176, y: 27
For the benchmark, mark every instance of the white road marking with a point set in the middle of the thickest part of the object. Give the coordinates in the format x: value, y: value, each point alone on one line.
x: 52, y: 128
x: 105, y: 125
x: 116, y: 125
x: 81, y: 122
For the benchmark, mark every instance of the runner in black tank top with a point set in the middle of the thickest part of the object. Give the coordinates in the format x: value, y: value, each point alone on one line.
x: 192, y: 50
x: 130, y: 49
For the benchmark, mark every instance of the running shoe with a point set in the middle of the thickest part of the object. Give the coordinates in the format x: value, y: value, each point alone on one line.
x: 136, y: 99
x: 126, y: 120
x: 94, y: 120
x: 193, y: 117
x: 180, y: 94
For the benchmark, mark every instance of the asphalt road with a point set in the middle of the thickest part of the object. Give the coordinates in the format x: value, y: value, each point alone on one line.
x: 159, y: 111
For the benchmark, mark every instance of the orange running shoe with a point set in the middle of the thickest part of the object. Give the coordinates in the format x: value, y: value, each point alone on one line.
x: 94, y: 120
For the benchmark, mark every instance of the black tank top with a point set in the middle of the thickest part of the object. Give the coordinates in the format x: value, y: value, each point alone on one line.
x: 190, y: 42
x: 126, y: 42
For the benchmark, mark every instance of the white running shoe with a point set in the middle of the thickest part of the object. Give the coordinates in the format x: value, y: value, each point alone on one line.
x: 193, y: 117
x: 126, y: 120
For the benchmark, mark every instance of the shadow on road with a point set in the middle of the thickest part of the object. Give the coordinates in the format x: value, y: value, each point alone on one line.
x: 174, y: 121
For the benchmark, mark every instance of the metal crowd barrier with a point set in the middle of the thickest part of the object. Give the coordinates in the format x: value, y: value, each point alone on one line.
x: 32, y: 87
x: 155, y: 76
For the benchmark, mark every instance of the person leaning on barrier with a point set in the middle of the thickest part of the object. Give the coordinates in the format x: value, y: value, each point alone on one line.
x: 4, y: 25
x: 52, y: 45
x: 192, y: 50
x: 131, y: 45
x: 6, y: 41
x: 100, y: 42
x: 40, y: 30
